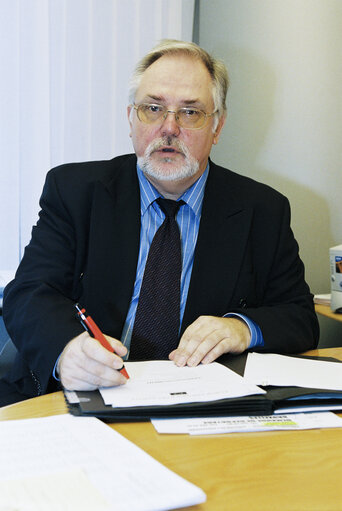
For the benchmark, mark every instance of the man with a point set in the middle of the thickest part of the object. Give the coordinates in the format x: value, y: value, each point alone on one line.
x: 242, y: 282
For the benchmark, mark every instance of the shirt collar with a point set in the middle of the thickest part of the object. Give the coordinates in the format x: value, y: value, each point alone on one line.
x: 193, y: 196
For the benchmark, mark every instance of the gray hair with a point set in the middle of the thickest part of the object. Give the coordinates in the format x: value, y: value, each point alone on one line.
x: 215, y: 67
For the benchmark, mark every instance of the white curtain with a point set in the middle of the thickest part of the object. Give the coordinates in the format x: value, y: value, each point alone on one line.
x: 65, y: 67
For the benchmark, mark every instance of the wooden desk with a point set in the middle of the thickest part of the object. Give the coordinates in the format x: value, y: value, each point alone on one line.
x: 277, y: 471
x: 325, y: 310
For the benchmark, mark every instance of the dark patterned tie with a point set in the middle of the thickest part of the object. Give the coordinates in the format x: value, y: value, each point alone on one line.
x: 156, y: 326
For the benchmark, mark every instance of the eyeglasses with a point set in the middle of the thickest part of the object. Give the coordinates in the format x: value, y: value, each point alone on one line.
x: 188, y: 117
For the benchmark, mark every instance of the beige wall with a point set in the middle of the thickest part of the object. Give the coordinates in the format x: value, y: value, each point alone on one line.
x: 284, y: 124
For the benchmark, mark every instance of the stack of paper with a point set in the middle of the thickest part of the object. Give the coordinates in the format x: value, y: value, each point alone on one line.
x: 66, y: 463
x: 297, y: 383
x: 159, y: 388
x: 324, y: 299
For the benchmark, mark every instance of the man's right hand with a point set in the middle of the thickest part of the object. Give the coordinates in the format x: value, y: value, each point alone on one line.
x: 86, y: 365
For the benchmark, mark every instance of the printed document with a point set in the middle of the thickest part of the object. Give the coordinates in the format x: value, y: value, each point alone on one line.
x: 102, y: 465
x: 66, y: 490
x: 161, y: 382
x: 220, y: 425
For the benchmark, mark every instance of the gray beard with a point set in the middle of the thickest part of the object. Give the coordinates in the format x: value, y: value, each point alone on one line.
x: 158, y: 172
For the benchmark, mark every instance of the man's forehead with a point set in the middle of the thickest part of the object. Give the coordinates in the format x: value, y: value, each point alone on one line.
x: 179, y: 74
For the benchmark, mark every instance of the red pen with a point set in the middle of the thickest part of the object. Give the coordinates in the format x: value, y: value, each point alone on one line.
x: 91, y: 327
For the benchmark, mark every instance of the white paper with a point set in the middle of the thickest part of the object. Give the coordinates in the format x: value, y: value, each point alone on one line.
x: 161, y: 382
x: 308, y: 408
x: 280, y: 370
x: 126, y: 477
x: 220, y: 425
x: 64, y: 491
x: 323, y: 299
x: 71, y: 396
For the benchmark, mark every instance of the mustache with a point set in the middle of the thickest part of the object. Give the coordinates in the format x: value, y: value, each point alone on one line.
x: 169, y: 141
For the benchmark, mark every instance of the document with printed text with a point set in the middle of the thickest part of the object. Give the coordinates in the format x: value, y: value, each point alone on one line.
x: 44, y: 460
x: 220, y: 425
x: 161, y: 382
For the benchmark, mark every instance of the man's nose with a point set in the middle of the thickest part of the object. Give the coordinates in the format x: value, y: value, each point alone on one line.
x: 169, y: 125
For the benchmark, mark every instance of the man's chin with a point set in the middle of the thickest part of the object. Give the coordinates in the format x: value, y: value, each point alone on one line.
x: 168, y: 174
x: 167, y: 170
x: 167, y: 163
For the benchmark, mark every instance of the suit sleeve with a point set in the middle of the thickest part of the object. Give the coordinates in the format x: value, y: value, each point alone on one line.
x: 285, y: 312
x: 42, y: 293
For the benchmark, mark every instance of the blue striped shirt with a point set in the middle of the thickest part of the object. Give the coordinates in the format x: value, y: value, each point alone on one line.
x: 188, y: 219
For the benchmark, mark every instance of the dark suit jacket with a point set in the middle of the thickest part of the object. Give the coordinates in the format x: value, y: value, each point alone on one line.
x: 85, y: 248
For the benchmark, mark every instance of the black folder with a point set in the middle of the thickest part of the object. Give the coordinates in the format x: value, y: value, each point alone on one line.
x: 91, y: 403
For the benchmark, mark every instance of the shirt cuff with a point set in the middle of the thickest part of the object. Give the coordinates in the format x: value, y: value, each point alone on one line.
x: 256, y: 335
x: 54, y: 372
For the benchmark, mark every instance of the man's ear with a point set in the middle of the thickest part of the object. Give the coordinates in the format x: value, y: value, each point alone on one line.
x: 129, y: 113
x: 218, y: 130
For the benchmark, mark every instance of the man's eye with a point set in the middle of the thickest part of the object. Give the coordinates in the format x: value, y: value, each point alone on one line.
x: 190, y: 112
x: 154, y: 109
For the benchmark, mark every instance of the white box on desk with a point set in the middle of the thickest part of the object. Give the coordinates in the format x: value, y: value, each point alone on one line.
x: 336, y: 278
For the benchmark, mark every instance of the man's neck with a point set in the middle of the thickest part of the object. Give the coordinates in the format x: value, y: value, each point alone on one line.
x: 173, y: 189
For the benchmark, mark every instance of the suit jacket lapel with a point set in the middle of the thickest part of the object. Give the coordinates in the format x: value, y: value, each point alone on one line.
x: 115, y: 243
x: 222, y: 237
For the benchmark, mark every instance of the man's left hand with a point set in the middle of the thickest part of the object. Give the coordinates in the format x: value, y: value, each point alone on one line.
x: 208, y: 338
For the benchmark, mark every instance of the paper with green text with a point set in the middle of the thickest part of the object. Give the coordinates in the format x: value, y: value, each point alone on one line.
x: 220, y: 425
